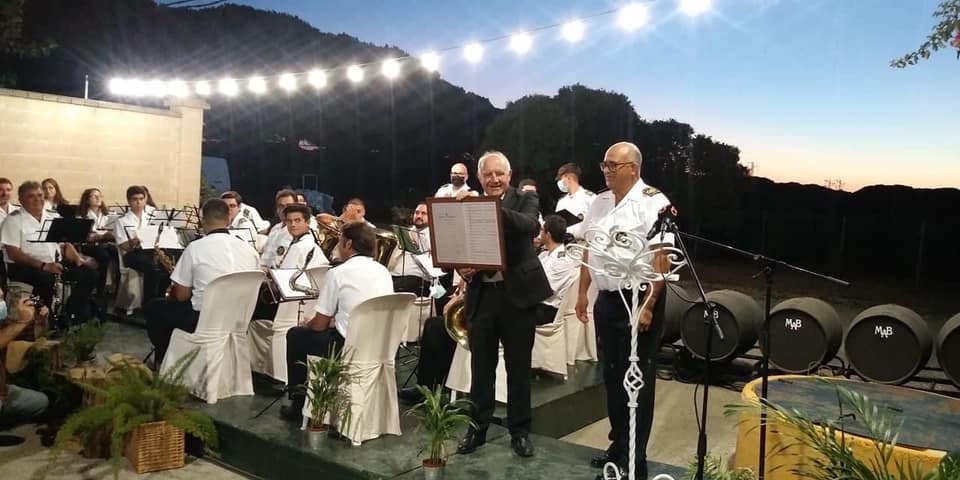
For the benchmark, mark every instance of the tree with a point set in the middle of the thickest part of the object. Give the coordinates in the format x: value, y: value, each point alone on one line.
x: 13, y: 44
x: 946, y: 32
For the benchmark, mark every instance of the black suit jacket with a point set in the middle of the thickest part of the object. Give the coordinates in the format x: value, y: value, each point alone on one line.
x: 525, y: 281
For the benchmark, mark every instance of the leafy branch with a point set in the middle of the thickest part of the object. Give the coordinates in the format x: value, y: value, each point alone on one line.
x: 945, y: 33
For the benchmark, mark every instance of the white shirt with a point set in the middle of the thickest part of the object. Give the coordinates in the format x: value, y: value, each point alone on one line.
x: 295, y: 254
x: 560, y: 270
x: 253, y: 215
x: 209, y: 257
x: 349, y: 284
x: 277, y: 242
x: 131, y: 223
x: 636, y: 212
x: 449, y: 191
x: 10, y: 209
x: 577, y: 203
x: 406, y: 265
x: 99, y: 220
x: 21, y: 230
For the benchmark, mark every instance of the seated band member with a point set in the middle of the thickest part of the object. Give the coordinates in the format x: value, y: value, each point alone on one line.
x: 215, y: 254
x: 238, y: 218
x: 560, y: 268
x: 37, y: 263
x: 142, y: 258
x: 52, y: 195
x: 357, y: 279
x: 353, y: 211
x: 98, y: 246
x: 17, y: 317
x: 294, y: 254
x: 6, y: 206
x: 278, y: 237
x: 408, y: 275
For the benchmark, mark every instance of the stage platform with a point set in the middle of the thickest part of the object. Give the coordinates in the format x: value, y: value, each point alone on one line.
x: 270, y: 447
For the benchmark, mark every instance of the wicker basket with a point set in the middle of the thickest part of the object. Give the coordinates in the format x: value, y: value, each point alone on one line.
x: 155, y: 446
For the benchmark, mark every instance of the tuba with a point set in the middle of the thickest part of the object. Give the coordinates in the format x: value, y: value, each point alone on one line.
x: 454, y: 319
x: 386, y: 247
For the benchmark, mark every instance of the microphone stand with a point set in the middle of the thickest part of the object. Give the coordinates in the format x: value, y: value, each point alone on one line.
x: 768, y: 267
x: 709, y: 320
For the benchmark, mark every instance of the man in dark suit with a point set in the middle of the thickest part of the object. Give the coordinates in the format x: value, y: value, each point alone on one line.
x: 500, y: 309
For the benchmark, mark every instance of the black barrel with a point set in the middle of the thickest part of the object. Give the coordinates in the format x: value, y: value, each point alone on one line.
x: 675, y: 308
x: 888, y: 344
x: 804, y: 334
x: 948, y: 348
x: 739, y: 317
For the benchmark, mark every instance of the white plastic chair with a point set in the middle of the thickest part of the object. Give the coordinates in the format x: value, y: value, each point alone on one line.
x: 222, y: 368
x: 130, y: 288
x: 460, y: 378
x: 376, y: 329
x: 550, y: 341
x: 268, y: 340
x: 581, y: 337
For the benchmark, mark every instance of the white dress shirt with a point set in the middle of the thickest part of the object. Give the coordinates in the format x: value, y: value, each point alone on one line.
x: 209, y: 257
x: 130, y: 224
x: 276, y: 245
x: 576, y: 203
x: 349, y: 284
x: 253, y: 215
x: 295, y: 254
x: 99, y: 220
x: 560, y: 270
x: 637, y: 212
x: 10, y: 208
x: 449, y: 191
x: 22, y: 230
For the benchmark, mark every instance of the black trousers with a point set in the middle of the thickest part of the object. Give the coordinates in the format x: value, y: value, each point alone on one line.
x: 155, y: 279
x: 497, y: 321
x: 411, y: 284
x: 436, y: 353
x: 163, y: 317
x: 303, y: 341
x: 545, y: 313
x: 104, y: 254
x: 77, y: 308
x: 612, y: 323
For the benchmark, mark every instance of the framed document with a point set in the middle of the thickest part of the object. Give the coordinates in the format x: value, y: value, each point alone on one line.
x: 466, y: 233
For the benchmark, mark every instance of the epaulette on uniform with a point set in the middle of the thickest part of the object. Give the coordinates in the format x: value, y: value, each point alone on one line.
x: 16, y: 212
x: 651, y: 191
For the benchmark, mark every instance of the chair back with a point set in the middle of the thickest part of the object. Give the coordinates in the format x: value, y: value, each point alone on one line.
x: 228, y: 302
x: 377, y: 326
x: 568, y: 300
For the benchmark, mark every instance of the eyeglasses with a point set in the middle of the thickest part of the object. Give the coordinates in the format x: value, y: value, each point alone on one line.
x: 612, y: 166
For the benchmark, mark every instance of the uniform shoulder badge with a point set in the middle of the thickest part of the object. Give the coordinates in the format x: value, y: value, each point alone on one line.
x: 561, y: 254
x: 280, y: 250
x: 651, y: 191
x: 589, y: 193
x: 16, y: 212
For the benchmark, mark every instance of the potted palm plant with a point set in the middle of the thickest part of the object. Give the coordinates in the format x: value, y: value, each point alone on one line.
x: 442, y: 421
x: 328, y: 393
x: 143, y: 415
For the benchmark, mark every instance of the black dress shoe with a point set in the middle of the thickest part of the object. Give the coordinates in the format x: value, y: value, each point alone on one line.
x: 600, y: 460
x: 522, y: 445
x: 472, y: 440
x: 292, y: 412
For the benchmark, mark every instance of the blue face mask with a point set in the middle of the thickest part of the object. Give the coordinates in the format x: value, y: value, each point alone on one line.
x: 3, y: 310
x: 562, y: 186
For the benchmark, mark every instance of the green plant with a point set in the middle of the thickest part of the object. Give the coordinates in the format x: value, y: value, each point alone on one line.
x: 714, y: 469
x: 81, y: 341
x: 836, y: 459
x: 38, y: 375
x: 328, y: 389
x: 133, y: 398
x: 441, y: 420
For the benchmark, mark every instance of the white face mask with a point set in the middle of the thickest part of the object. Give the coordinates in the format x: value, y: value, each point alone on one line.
x: 562, y: 186
x: 3, y: 310
x: 437, y: 291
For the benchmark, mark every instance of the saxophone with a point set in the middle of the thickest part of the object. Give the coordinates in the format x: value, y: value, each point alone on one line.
x: 160, y: 256
x: 292, y: 283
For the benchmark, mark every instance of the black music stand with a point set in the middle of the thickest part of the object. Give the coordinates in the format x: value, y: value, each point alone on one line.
x: 64, y: 230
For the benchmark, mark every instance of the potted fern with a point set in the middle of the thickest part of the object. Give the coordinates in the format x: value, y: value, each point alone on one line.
x: 328, y: 392
x: 81, y: 342
x: 144, y: 416
x: 714, y: 469
x: 442, y: 421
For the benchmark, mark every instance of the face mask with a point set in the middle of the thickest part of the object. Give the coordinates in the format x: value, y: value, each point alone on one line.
x: 457, y: 180
x: 437, y: 291
x: 3, y: 310
x: 562, y: 186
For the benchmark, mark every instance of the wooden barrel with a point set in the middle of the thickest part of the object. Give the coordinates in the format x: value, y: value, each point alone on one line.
x: 739, y: 316
x: 948, y: 348
x: 804, y: 334
x: 674, y: 309
x: 888, y: 344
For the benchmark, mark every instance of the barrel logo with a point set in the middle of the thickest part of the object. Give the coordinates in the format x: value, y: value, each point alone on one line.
x: 883, y: 332
x: 793, y: 323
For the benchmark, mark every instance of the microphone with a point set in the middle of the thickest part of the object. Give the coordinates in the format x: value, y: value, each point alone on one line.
x: 666, y: 218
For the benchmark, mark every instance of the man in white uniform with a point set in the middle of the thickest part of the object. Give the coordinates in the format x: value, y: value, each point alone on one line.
x: 347, y: 285
x: 458, y: 183
x: 37, y: 263
x: 634, y: 206
x: 6, y: 207
x: 560, y: 268
x: 408, y: 276
x: 576, y: 200
x: 278, y: 237
x: 215, y: 254
x: 142, y: 258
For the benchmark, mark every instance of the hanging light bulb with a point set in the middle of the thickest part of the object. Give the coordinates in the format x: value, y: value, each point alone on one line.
x: 228, y: 87
x: 390, y: 68
x: 695, y: 7
x: 430, y: 61
x: 573, y: 31
x: 355, y: 73
x: 633, y: 16
x: 521, y: 43
x: 473, y: 52
x: 317, y: 78
x: 178, y: 88
x: 257, y: 85
x: 287, y: 82
x: 202, y: 88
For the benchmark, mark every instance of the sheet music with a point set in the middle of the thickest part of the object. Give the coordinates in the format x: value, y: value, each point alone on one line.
x: 168, y: 238
x: 466, y: 233
x: 281, y: 277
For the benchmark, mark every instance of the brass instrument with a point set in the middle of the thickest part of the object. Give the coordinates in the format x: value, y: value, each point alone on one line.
x: 311, y: 290
x: 386, y: 247
x: 160, y: 256
x: 328, y: 235
x: 454, y: 318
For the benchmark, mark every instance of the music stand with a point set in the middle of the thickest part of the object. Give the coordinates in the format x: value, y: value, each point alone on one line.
x: 245, y: 234
x: 569, y: 217
x: 171, y: 217
x: 64, y: 230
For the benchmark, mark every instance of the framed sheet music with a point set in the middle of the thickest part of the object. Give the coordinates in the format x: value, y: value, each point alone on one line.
x: 466, y: 233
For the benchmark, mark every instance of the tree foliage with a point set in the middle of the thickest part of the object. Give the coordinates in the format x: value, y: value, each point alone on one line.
x: 946, y: 33
x: 12, y: 41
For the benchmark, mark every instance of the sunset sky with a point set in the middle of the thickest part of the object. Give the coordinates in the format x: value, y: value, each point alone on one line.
x: 803, y: 87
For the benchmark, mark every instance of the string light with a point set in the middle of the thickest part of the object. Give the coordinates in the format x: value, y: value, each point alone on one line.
x: 521, y: 43
x: 573, y: 31
x: 630, y: 18
x: 473, y: 52
x: 355, y: 73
